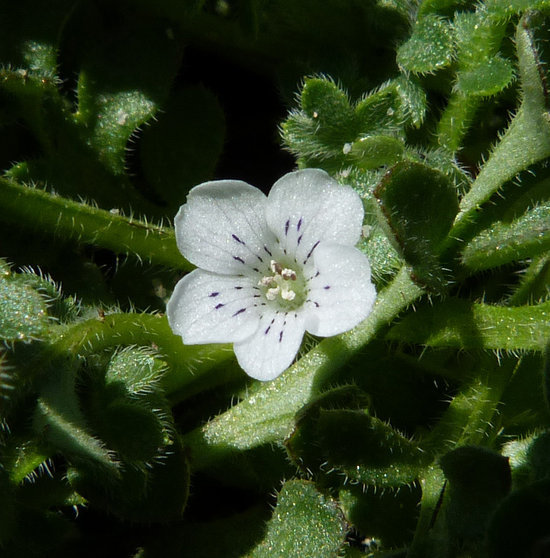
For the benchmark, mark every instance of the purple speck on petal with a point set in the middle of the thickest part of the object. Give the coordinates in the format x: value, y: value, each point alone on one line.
x: 218, y: 306
x: 326, y: 287
x: 299, y: 225
x: 256, y: 269
x: 300, y: 239
x: 267, y: 329
x: 239, y: 312
x: 214, y: 294
x: 287, y: 224
x: 280, y: 336
x: 260, y: 258
x: 238, y: 258
x: 238, y: 288
x: 235, y: 237
x: 267, y: 250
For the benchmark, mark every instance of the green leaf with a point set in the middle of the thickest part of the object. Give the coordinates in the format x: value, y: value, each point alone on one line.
x: 181, y: 148
x: 429, y: 48
x: 156, y: 494
x: 504, y: 10
x: 485, y: 78
x: 372, y: 152
x: 478, y: 479
x: 527, y: 139
x: 418, y: 205
x: 524, y: 237
x: 301, y: 511
x: 59, y: 421
x: 23, y: 312
x: 323, y: 101
x: 463, y: 324
x: 380, y: 113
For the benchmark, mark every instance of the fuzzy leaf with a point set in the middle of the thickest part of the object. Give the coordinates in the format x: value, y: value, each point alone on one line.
x: 463, y: 324
x: 485, y: 78
x: 478, y: 479
x: 23, y: 312
x: 302, y: 510
x: 418, y: 205
x: 429, y: 48
x: 525, y: 237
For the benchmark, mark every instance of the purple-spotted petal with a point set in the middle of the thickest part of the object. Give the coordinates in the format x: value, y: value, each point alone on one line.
x: 271, y: 350
x: 341, y: 295
x: 222, y: 228
x: 307, y: 207
x: 210, y: 308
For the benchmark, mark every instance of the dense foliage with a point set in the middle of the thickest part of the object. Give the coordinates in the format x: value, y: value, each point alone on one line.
x: 424, y: 431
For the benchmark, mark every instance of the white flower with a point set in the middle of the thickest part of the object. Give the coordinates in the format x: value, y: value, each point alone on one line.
x: 270, y: 267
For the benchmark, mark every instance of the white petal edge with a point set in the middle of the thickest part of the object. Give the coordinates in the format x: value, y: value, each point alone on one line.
x: 222, y: 228
x: 210, y: 308
x: 307, y: 206
x: 350, y: 295
x: 271, y: 350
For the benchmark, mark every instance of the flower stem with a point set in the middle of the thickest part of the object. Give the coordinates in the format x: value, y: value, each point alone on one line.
x: 38, y: 209
x: 267, y: 415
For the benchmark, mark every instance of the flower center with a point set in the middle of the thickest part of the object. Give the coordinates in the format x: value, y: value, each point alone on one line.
x: 283, y: 285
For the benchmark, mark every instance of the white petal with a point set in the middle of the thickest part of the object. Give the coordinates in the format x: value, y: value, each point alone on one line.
x: 307, y: 207
x: 222, y: 228
x: 273, y: 347
x: 342, y: 295
x: 210, y: 308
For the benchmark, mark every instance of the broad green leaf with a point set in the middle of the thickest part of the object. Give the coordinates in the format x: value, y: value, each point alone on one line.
x: 429, y: 48
x: 302, y: 512
x: 466, y: 325
x: 534, y: 285
x: 524, y: 237
x: 417, y: 205
x: 380, y: 113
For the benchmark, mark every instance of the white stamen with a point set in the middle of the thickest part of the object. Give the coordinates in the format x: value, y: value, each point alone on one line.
x: 265, y: 281
x: 272, y: 293
x: 287, y: 294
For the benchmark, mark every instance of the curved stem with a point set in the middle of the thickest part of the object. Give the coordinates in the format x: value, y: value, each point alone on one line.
x: 38, y: 209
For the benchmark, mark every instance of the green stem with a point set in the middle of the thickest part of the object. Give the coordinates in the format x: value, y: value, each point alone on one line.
x: 37, y: 209
x: 267, y: 415
x: 455, y: 121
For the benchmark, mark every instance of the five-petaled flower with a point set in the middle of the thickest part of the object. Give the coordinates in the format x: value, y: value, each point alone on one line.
x: 270, y: 268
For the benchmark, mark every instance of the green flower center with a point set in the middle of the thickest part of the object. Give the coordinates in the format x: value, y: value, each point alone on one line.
x: 284, y: 285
